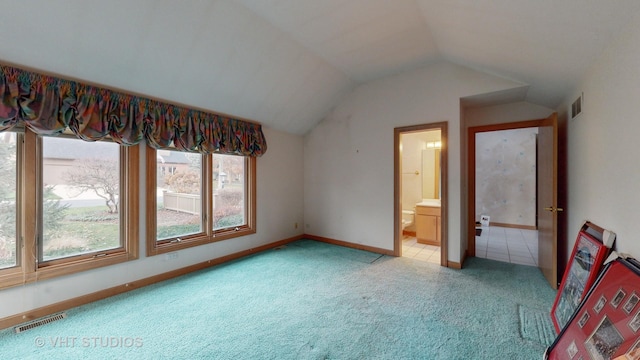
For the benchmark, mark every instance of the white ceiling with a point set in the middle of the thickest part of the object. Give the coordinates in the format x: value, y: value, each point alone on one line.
x: 286, y: 63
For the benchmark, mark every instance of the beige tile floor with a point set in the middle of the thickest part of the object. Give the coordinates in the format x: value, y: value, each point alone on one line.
x: 423, y: 252
x: 515, y: 246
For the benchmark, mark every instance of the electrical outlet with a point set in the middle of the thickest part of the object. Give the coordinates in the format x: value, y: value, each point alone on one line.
x: 171, y: 256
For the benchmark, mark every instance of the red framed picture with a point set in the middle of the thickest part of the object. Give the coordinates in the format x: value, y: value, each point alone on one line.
x: 584, y: 265
x: 606, y: 325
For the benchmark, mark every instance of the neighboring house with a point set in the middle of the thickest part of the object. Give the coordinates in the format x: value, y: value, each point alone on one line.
x: 170, y: 162
x: 61, y: 155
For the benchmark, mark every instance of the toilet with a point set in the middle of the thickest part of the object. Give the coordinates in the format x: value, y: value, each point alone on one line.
x: 408, y: 217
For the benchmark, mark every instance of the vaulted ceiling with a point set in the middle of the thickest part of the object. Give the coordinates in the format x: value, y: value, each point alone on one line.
x: 286, y: 63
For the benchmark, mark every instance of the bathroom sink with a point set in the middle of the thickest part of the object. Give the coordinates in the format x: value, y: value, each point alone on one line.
x: 429, y: 202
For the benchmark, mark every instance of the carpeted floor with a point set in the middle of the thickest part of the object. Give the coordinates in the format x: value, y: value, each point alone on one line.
x: 310, y: 300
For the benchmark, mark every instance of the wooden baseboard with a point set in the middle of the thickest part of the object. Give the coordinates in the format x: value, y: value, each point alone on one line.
x: 513, y: 226
x: 455, y: 265
x: 409, y: 233
x: 349, y: 245
x: 103, y: 294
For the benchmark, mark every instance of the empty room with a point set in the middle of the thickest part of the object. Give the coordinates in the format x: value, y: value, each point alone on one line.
x: 318, y: 179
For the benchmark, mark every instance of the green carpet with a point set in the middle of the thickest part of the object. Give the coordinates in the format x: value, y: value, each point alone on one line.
x: 308, y: 300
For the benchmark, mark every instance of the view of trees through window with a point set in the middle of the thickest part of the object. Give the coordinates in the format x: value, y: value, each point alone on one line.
x: 80, y: 197
x: 228, y: 191
x: 179, y: 188
x: 8, y: 204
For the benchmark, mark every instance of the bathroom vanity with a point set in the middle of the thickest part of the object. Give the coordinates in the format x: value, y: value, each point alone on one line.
x: 428, y: 222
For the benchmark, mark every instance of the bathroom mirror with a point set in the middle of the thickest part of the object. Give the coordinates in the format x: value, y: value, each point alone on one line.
x: 431, y: 173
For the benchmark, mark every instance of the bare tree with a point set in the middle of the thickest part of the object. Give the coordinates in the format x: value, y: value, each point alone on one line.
x: 100, y: 176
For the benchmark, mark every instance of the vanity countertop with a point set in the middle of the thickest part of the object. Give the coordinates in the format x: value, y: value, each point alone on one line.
x: 429, y: 202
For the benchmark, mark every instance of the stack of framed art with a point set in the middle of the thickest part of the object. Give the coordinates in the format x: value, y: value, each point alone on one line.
x: 591, y: 248
x: 606, y: 324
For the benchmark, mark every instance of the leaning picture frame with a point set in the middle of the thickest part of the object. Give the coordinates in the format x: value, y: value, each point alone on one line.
x: 609, y: 330
x: 582, y: 270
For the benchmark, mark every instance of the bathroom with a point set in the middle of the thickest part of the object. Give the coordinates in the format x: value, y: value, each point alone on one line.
x: 420, y: 198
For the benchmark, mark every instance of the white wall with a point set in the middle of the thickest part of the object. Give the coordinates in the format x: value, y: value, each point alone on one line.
x: 604, y: 169
x: 348, y: 161
x: 279, y: 206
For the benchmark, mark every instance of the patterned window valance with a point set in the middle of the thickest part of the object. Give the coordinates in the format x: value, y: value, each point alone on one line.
x: 49, y: 105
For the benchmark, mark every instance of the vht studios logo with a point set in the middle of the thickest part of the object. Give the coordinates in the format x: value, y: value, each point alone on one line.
x: 92, y: 341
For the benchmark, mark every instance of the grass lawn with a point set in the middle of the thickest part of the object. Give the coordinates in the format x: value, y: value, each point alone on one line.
x: 82, y: 230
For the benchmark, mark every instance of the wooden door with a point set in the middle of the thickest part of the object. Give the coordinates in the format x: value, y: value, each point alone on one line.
x: 547, y: 204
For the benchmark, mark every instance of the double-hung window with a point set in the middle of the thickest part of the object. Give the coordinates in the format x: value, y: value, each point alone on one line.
x: 67, y: 205
x: 194, y: 199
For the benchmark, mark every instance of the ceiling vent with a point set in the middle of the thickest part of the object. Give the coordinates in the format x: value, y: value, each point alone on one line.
x: 576, y: 107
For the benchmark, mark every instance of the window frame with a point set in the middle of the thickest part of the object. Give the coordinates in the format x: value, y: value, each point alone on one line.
x: 208, y: 234
x: 30, y: 269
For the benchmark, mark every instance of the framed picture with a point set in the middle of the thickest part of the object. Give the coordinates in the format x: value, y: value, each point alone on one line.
x: 598, y: 331
x: 582, y: 270
x: 631, y: 303
x: 618, y: 297
x: 583, y: 319
x: 634, y: 352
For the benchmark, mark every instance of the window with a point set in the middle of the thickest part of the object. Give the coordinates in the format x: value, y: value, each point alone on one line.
x: 228, y: 191
x: 79, y: 207
x: 9, y: 210
x: 195, y: 199
x: 179, y: 204
x: 79, y: 198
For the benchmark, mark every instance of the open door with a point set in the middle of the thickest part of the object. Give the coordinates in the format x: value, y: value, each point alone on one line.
x: 547, y: 211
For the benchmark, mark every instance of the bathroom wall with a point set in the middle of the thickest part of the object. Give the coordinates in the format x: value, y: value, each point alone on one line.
x: 506, y: 176
x: 413, y: 145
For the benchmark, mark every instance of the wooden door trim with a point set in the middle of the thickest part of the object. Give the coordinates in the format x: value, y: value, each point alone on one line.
x: 444, y: 173
x: 471, y: 169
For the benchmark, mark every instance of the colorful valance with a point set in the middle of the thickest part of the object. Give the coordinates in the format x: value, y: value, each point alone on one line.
x: 49, y: 105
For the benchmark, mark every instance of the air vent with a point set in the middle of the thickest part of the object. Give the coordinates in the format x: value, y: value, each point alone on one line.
x: 576, y: 107
x: 40, y: 322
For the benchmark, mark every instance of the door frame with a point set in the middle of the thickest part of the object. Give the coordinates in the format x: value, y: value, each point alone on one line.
x: 397, y: 186
x: 471, y: 170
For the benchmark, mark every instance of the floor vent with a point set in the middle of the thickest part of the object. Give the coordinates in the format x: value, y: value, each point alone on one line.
x: 40, y: 322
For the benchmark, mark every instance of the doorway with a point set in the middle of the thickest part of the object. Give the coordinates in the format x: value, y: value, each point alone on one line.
x: 546, y: 191
x: 506, y: 196
x: 420, y: 192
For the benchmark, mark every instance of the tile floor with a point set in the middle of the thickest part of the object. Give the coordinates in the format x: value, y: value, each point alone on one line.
x: 497, y: 243
x: 423, y: 252
x: 516, y: 246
